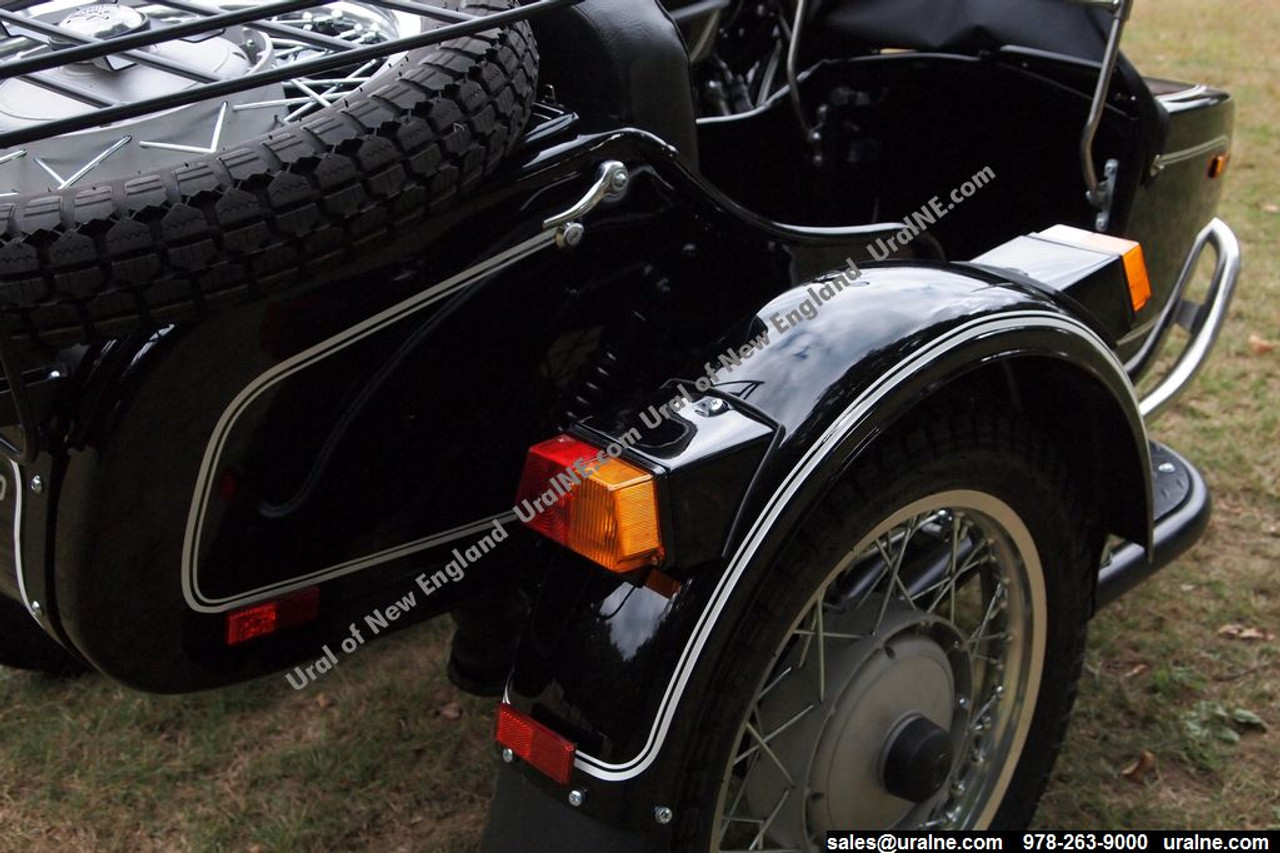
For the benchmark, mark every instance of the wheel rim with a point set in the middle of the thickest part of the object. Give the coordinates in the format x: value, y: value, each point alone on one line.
x: 902, y: 695
x: 172, y: 137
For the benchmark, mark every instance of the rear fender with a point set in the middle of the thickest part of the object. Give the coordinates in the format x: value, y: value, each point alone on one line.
x: 806, y: 386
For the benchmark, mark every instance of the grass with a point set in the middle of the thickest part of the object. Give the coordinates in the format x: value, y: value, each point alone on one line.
x: 1158, y: 669
x: 388, y: 756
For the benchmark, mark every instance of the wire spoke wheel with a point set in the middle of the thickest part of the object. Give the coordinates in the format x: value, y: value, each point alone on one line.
x: 886, y: 667
x: 922, y: 649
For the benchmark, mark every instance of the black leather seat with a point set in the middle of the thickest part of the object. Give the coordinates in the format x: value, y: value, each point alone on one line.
x: 625, y: 61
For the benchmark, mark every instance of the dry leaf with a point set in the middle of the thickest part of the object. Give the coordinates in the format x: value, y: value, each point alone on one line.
x: 452, y: 711
x: 1187, y: 587
x: 1141, y: 767
x: 1271, y: 208
x: 256, y: 848
x: 324, y: 701
x: 1261, y: 346
x: 1140, y: 669
x: 1242, y: 632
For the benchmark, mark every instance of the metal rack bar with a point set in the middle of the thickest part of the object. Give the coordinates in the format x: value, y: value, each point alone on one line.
x: 285, y: 30
x: 137, y: 56
x: 149, y: 38
x: 222, y: 88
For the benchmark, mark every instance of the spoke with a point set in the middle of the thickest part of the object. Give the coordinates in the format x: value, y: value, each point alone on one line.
x: 764, y: 747
x: 773, y: 734
x: 895, y: 568
x: 993, y: 607
x: 768, y: 688
x: 759, y: 839
x: 822, y: 657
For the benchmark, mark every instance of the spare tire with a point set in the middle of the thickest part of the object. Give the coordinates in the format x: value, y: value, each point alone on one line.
x: 254, y: 217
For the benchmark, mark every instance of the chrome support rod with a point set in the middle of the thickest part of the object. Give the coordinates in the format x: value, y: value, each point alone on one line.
x: 1102, y: 191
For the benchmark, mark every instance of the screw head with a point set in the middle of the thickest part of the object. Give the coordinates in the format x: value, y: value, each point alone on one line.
x: 36, y: 610
x: 572, y: 234
x: 620, y: 180
x: 577, y: 798
x: 1167, y: 468
x: 663, y: 815
x: 37, y: 484
x: 508, y: 756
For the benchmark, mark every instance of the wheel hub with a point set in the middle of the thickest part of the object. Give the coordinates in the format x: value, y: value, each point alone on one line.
x: 103, y: 21
x: 917, y: 760
x: 886, y: 733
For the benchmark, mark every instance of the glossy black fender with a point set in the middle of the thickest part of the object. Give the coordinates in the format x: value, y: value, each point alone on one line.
x: 825, y: 369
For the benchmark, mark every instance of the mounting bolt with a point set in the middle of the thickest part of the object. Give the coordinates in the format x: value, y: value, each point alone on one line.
x: 37, y: 484
x: 36, y: 610
x: 570, y: 235
x: 663, y: 815
x: 620, y: 180
x: 508, y: 756
x: 709, y: 407
x: 962, y: 702
x: 1167, y: 468
x: 577, y: 798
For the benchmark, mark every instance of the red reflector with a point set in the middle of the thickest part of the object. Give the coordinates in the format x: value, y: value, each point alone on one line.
x: 535, y: 743
x: 270, y: 616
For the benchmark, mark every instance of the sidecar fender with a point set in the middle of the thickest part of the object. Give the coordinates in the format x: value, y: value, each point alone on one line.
x: 795, y: 396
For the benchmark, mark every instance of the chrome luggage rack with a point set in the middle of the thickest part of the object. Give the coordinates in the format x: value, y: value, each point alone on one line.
x: 55, y: 45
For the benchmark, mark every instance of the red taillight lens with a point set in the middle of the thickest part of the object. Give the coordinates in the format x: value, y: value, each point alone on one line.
x: 271, y: 616
x: 535, y: 744
x: 604, y: 509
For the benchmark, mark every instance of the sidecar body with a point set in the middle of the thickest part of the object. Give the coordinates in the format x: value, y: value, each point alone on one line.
x: 719, y: 298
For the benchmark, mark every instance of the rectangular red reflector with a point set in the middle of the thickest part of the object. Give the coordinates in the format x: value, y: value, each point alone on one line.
x: 535, y: 744
x: 269, y: 617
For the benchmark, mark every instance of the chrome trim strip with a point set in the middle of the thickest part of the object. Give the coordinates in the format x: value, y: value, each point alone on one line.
x: 213, y: 452
x: 848, y: 420
x: 1175, y: 157
x: 1210, y: 318
x: 18, y: 568
x: 612, y: 181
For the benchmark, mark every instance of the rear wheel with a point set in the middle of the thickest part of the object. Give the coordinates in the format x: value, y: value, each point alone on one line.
x: 163, y: 217
x: 911, y: 660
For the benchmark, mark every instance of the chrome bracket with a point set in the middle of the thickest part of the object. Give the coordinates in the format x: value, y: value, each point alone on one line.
x: 611, y: 185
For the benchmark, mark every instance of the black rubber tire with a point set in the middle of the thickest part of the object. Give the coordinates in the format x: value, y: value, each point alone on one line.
x: 999, y: 456
x: 24, y: 646
x: 253, y: 219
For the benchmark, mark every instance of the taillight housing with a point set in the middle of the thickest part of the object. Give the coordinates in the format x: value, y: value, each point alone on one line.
x: 597, y: 505
x: 535, y: 744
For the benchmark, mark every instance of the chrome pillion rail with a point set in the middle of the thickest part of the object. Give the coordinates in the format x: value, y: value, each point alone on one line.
x: 1203, y: 321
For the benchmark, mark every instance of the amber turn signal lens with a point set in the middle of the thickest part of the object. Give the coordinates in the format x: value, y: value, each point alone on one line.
x: 596, y: 505
x: 1218, y: 165
x: 1135, y: 263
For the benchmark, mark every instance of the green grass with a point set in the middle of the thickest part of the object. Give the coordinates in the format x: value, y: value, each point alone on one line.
x: 1157, y: 663
x: 366, y: 759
